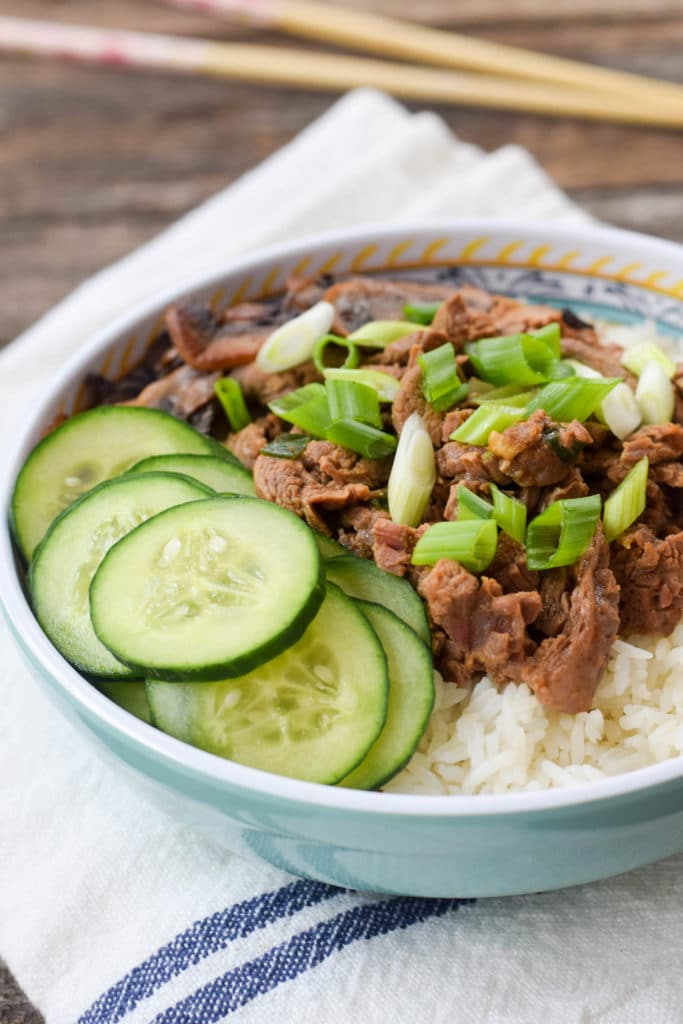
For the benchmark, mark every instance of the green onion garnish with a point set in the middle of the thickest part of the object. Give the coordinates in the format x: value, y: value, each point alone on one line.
x: 476, y: 429
x: 562, y: 533
x: 318, y: 355
x: 510, y: 514
x: 508, y: 394
x: 551, y: 335
x: 421, y: 312
x: 512, y: 359
x: 655, y: 394
x: 380, y: 333
x: 293, y: 342
x: 627, y: 501
x: 471, y: 506
x: 440, y: 383
x: 229, y: 394
x: 307, y: 408
x: 286, y: 446
x: 362, y: 438
x: 384, y: 384
x: 619, y: 410
x: 413, y: 473
x: 572, y: 399
x: 349, y: 400
x: 635, y: 358
x: 472, y: 543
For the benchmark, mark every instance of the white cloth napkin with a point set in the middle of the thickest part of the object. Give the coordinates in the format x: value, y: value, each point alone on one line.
x: 110, y: 910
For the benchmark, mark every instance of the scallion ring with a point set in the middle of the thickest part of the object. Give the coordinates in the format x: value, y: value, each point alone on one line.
x: 229, y: 394
x: 472, y: 543
x: 351, y: 360
x: 561, y: 534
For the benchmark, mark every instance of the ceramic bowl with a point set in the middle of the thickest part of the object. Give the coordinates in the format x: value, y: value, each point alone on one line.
x: 416, y: 845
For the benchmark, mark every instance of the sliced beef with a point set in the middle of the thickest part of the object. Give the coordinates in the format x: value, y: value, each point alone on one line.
x: 468, y: 464
x: 262, y: 388
x: 554, y: 586
x: 573, y: 486
x: 182, y: 392
x: 509, y: 567
x: 650, y: 573
x: 303, y: 292
x: 453, y: 419
x: 404, y: 351
x: 538, y: 452
x: 472, y: 313
x: 393, y: 545
x: 326, y: 479
x: 661, y: 442
x: 565, y: 670
x: 356, y: 525
x: 209, y: 342
x: 361, y: 299
x: 582, y: 343
x: 447, y: 658
x: 487, y: 628
x: 460, y: 322
x: 246, y: 444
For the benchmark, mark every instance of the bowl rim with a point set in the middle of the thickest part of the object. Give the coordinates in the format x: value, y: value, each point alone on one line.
x: 210, y: 768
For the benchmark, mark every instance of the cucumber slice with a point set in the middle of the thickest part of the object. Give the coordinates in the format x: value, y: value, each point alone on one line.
x: 209, y: 591
x: 311, y: 713
x: 215, y: 473
x: 88, y: 448
x: 360, y: 578
x: 66, y: 559
x: 411, y: 699
x: 329, y: 548
x: 132, y: 697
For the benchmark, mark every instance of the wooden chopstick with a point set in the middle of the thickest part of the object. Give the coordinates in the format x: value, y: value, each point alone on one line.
x: 399, y: 39
x: 303, y: 69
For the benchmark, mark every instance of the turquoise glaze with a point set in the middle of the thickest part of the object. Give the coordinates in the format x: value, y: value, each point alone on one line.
x: 417, y: 845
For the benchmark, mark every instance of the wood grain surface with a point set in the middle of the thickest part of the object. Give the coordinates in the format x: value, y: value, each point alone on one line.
x: 93, y: 162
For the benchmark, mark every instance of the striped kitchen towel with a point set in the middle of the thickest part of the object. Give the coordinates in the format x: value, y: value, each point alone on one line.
x: 110, y: 910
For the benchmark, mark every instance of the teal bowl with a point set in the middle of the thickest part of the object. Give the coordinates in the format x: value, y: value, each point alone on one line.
x: 454, y: 846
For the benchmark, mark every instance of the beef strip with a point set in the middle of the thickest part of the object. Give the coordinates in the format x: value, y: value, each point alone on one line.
x: 209, y: 342
x: 247, y: 443
x: 565, y: 670
x: 326, y: 479
x: 393, y: 544
x: 356, y: 528
x: 582, y: 343
x: 509, y: 567
x: 410, y: 399
x: 468, y: 464
x: 487, y: 628
x: 182, y: 392
x: 661, y: 442
x: 650, y: 574
x: 538, y: 452
x: 361, y: 299
x: 573, y: 486
x: 471, y: 314
x: 261, y: 387
x: 404, y: 351
x: 303, y: 292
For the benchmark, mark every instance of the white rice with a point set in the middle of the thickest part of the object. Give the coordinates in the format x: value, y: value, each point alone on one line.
x: 487, y: 739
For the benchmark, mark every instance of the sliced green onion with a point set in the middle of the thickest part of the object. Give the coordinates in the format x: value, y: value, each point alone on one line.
x: 439, y: 375
x: 362, y: 438
x: 551, y: 335
x: 627, y: 501
x: 562, y: 533
x: 572, y: 399
x: 413, y: 473
x: 307, y: 408
x: 512, y: 359
x: 508, y: 394
x: 384, y: 384
x: 286, y: 446
x: 379, y: 333
x: 318, y: 355
x: 560, y: 370
x: 619, y: 410
x: 472, y: 543
x: 636, y: 357
x: 452, y: 397
x: 510, y: 514
x: 471, y: 506
x: 349, y: 400
x: 476, y: 429
x: 293, y: 342
x: 229, y: 394
x: 655, y: 394
x: 421, y: 312
x: 479, y: 387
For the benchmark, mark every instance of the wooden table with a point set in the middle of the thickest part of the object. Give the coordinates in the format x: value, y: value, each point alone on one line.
x: 93, y: 162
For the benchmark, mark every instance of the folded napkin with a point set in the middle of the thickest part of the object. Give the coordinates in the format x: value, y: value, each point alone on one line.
x: 112, y: 911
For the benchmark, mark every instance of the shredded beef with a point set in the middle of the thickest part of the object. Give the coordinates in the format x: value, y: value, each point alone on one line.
x: 509, y: 567
x: 262, y: 388
x: 356, y: 528
x: 583, y: 344
x: 538, y: 452
x: 361, y: 299
x: 342, y: 466
x: 574, y: 486
x: 247, y: 443
x: 404, y: 351
x: 661, y: 442
x: 393, y: 545
x: 410, y: 399
x: 209, y: 343
x: 650, y: 573
x: 565, y: 670
x: 487, y: 627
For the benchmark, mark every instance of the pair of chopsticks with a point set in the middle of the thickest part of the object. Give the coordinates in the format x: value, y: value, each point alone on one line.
x: 521, y: 79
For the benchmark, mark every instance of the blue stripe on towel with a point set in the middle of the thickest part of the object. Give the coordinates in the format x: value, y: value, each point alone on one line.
x: 307, y: 949
x: 200, y: 940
